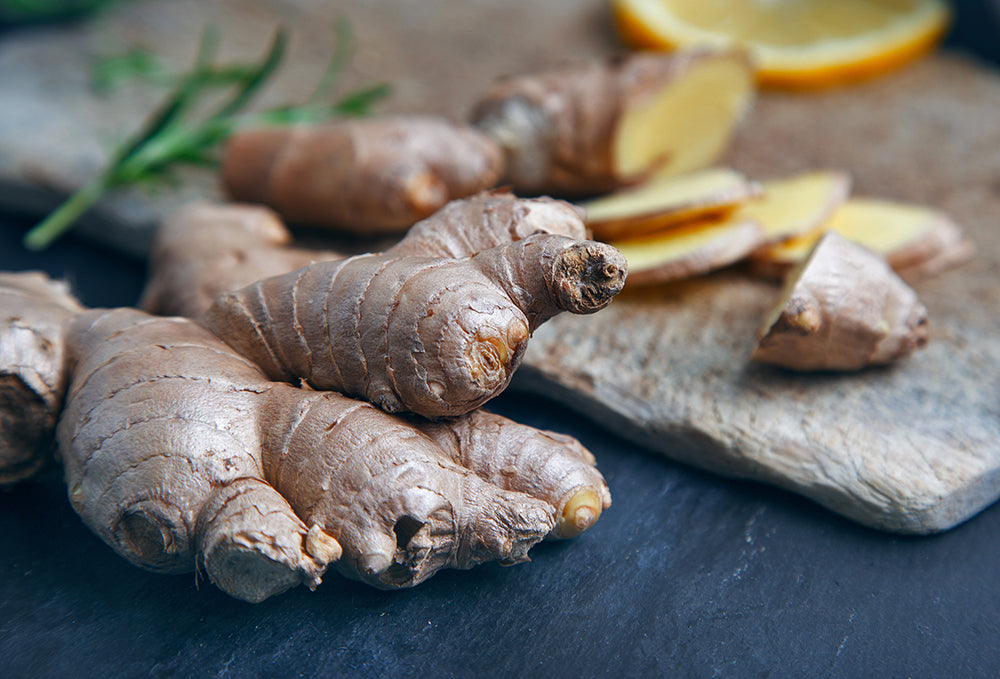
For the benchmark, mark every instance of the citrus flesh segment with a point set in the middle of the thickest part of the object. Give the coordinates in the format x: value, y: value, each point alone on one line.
x: 666, y: 201
x: 796, y: 43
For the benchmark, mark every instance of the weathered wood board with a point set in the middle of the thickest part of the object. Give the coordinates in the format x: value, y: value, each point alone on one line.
x: 912, y: 448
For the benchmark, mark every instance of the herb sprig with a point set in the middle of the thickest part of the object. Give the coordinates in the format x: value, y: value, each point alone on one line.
x: 178, y: 134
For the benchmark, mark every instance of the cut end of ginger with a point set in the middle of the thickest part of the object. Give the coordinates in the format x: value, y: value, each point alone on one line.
x: 843, y: 309
x: 687, y: 122
x: 688, y: 250
x: 667, y: 201
x: 916, y: 241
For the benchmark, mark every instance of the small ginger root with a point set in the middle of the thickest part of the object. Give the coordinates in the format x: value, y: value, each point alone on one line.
x: 689, y: 250
x: 435, y: 325
x: 181, y: 454
x: 666, y: 201
x: 363, y: 176
x: 916, y: 241
x: 33, y: 310
x: 844, y: 309
x: 584, y: 130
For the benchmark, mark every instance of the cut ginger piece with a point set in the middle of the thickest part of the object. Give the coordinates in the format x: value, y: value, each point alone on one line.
x: 667, y: 201
x: 689, y: 250
x: 843, y: 309
x: 916, y: 241
x: 588, y: 129
x: 798, y: 205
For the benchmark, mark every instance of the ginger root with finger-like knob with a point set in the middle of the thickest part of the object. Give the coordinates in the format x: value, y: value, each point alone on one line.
x: 427, y: 326
x: 181, y: 454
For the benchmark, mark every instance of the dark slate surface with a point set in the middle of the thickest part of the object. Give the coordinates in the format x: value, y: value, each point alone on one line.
x: 686, y: 575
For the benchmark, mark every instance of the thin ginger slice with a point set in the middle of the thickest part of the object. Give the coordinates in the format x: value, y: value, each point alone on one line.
x: 667, y: 201
x: 843, y: 309
x: 799, y: 204
x: 689, y: 250
x: 916, y: 241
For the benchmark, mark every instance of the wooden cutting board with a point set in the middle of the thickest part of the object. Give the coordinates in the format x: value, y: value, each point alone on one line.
x: 911, y: 448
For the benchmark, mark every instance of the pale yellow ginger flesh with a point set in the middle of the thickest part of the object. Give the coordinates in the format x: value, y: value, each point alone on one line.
x: 592, y: 128
x: 916, y: 241
x: 843, y: 309
x: 689, y: 250
x: 687, y: 125
x: 665, y: 201
x: 799, y: 204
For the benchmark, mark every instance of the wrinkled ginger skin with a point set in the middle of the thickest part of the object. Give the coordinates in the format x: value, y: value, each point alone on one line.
x: 558, y: 128
x: 436, y: 336
x: 180, y: 453
x: 363, y: 176
x: 33, y: 313
x: 844, y: 309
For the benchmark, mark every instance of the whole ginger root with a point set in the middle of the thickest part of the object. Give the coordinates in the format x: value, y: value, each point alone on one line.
x: 364, y: 176
x: 181, y: 454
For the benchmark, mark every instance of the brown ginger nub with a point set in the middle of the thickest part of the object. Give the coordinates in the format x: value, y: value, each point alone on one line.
x: 433, y: 335
x: 843, y: 309
x: 595, y: 127
x: 364, y: 176
x: 33, y: 313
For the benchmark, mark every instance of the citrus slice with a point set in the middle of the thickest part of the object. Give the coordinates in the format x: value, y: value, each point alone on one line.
x: 796, y: 43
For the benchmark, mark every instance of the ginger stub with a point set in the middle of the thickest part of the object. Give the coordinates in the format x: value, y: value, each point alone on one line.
x: 916, y: 241
x: 666, y: 201
x: 843, y: 309
x: 590, y: 129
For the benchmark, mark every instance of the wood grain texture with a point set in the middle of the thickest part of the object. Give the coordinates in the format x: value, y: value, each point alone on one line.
x: 913, y: 448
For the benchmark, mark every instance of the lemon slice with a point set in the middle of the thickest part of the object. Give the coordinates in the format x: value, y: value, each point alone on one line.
x: 796, y: 43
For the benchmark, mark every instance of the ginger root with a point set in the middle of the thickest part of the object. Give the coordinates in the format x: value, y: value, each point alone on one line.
x: 435, y: 325
x: 590, y: 129
x: 364, y: 176
x: 844, y: 309
x: 181, y: 454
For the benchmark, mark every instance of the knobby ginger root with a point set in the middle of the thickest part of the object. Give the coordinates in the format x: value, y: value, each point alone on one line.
x: 667, y: 201
x: 364, y: 176
x: 181, y: 454
x: 33, y: 310
x: 593, y: 128
x: 844, y: 309
x: 427, y: 326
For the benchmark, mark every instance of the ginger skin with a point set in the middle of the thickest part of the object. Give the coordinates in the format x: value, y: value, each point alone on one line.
x: 181, y: 454
x: 427, y: 326
x: 844, y: 309
x: 363, y: 176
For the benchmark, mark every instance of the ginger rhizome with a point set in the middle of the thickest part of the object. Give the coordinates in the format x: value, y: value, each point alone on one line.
x: 843, y: 309
x: 435, y: 325
x: 181, y: 454
x: 595, y: 127
x: 364, y: 176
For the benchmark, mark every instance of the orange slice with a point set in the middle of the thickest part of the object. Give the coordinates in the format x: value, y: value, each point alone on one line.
x: 796, y: 43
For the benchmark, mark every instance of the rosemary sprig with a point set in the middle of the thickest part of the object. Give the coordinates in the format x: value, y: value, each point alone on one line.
x: 174, y: 136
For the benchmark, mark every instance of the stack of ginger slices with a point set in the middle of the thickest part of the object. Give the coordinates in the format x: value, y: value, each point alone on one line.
x: 675, y: 227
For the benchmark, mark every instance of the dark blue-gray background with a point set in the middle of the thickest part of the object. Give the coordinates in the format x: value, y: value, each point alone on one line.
x: 687, y: 574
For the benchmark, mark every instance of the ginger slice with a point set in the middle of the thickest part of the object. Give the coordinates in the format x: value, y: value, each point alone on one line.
x: 689, y: 250
x: 916, y: 241
x: 843, y: 309
x: 799, y: 204
x: 666, y: 201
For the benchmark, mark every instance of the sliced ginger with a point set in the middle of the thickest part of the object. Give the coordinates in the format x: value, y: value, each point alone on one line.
x: 590, y: 129
x: 916, y: 241
x: 843, y: 309
x: 689, y: 250
x: 798, y: 205
x: 666, y: 201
